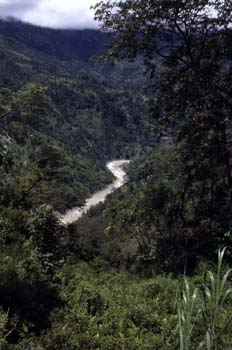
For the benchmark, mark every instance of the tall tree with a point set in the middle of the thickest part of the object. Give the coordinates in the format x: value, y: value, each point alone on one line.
x: 186, y: 48
x: 184, y: 41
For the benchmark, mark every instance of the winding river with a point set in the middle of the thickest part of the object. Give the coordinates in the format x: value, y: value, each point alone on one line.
x: 116, y: 168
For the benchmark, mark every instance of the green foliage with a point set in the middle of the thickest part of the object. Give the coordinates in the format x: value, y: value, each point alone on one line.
x: 59, y: 124
x: 187, y: 315
x: 57, y: 131
x: 4, y: 332
x: 209, y: 311
x: 175, y: 211
x: 214, y: 301
x: 47, y: 236
x: 56, y: 139
x: 184, y: 47
x: 113, y: 310
x: 25, y: 290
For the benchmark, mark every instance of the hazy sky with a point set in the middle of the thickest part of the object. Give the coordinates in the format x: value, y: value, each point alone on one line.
x: 51, y: 13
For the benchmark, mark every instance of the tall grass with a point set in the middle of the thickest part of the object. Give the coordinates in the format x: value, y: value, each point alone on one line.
x: 187, y: 315
x: 205, y: 305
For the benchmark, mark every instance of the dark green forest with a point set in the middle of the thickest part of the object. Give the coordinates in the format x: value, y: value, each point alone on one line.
x: 150, y: 268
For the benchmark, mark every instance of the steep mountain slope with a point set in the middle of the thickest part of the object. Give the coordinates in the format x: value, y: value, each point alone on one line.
x: 24, y: 46
x: 87, y: 120
x: 66, y: 44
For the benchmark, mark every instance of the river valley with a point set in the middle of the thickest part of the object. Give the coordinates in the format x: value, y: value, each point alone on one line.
x: 116, y: 168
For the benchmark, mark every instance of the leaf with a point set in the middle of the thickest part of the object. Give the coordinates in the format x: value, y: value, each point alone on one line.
x: 25, y: 328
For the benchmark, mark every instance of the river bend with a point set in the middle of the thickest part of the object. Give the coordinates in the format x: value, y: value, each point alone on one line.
x: 116, y: 168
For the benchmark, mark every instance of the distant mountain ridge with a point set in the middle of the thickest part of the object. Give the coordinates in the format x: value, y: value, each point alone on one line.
x: 64, y: 44
x: 64, y: 51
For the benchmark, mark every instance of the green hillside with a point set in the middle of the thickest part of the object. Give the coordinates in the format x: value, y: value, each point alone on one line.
x: 86, y: 120
x: 26, y: 49
x: 150, y: 268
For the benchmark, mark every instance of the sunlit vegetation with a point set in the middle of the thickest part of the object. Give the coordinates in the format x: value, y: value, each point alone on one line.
x: 148, y: 269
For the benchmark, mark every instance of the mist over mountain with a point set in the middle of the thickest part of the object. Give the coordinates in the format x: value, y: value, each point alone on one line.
x: 64, y: 51
x: 64, y: 44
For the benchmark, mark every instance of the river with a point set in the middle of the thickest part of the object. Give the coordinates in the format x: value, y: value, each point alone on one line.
x: 116, y: 168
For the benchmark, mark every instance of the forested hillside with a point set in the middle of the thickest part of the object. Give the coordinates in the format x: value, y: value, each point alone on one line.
x: 61, y: 119
x: 28, y: 52
x: 83, y: 123
x: 150, y: 268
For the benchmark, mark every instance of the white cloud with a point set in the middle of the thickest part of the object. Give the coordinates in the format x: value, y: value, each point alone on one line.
x: 51, y: 13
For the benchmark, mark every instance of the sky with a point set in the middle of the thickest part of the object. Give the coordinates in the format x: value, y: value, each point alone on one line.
x: 51, y: 13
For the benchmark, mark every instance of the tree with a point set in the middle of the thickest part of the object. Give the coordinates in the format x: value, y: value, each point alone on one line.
x: 47, y: 233
x: 185, y: 45
x: 27, y: 105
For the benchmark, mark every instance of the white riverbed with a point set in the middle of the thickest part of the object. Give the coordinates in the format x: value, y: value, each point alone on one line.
x: 116, y: 168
